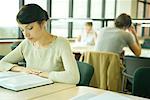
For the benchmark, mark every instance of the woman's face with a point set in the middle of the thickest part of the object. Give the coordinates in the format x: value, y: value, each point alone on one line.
x: 32, y: 31
x: 88, y: 28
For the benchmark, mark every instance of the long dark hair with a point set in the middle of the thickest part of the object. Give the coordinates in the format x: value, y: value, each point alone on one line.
x: 31, y: 13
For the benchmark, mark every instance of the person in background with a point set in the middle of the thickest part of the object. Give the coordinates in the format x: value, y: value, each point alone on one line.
x: 46, y: 55
x: 89, y: 35
x: 114, y: 39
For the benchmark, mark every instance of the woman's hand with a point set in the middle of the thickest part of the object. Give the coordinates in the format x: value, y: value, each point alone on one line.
x: 44, y: 74
x: 26, y: 70
x: 31, y: 71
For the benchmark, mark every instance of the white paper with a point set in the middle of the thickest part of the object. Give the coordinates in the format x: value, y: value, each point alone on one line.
x: 84, y: 96
x: 103, y: 96
x: 110, y: 96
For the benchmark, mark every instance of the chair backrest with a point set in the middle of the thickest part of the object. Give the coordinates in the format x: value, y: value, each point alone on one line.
x: 86, y: 73
x: 1, y: 56
x: 107, y: 68
x: 146, y: 44
x: 132, y: 63
x: 141, y: 82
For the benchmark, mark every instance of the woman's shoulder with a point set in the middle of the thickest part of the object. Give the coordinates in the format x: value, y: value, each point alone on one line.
x: 24, y: 42
x: 61, y: 40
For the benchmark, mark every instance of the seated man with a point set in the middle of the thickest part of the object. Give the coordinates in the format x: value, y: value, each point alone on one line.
x: 114, y: 39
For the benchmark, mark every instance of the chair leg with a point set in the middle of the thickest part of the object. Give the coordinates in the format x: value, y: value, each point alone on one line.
x: 124, y: 81
x: 122, y: 87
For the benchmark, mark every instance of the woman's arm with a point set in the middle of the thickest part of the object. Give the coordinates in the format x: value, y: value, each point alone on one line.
x: 12, y: 58
x: 17, y: 68
x: 95, y: 37
x: 71, y: 72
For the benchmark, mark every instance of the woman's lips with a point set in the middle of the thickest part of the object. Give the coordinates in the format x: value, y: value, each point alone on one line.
x: 30, y: 38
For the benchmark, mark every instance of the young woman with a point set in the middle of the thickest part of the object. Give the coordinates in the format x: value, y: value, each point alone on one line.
x: 113, y: 39
x: 88, y: 37
x: 46, y: 55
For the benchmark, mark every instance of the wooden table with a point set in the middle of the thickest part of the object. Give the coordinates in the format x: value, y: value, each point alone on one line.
x: 81, y: 90
x: 34, y: 92
x: 79, y: 48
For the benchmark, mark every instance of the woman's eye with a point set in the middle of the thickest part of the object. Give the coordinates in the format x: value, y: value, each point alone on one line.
x: 30, y: 28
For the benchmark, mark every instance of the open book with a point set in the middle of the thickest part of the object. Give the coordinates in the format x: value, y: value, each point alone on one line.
x: 19, y: 81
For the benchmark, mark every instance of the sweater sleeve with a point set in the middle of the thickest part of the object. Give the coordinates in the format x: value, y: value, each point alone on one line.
x: 71, y: 72
x: 12, y: 58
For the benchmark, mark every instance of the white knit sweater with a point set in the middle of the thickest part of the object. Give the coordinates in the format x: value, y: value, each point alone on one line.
x: 57, y: 59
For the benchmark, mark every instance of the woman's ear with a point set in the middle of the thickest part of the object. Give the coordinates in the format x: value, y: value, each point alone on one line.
x: 43, y: 24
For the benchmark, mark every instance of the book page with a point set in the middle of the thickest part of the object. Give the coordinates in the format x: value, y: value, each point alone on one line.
x: 6, y: 74
x: 20, y: 81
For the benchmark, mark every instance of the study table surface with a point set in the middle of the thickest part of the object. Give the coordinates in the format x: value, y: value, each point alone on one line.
x: 82, y: 90
x: 30, y: 94
x: 79, y: 48
x: 83, y: 48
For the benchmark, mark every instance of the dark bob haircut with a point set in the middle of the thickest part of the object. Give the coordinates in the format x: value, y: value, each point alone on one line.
x: 31, y: 13
x: 123, y: 21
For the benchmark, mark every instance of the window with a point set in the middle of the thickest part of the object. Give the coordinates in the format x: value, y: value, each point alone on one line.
x: 123, y: 6
x: 8, y: 25
x: 60, y: 28
x: 96, y: 13
x: 9, y: 28
x: 110, y: 9
x: 42, y: 3
x: 60, y: 8
x: 140, y: 9
x: 147, y: 15
x: 96, y: 9
x: 78, y: 28
x: 79, y: 8
x: 79, y: 11
x: 143, y: 12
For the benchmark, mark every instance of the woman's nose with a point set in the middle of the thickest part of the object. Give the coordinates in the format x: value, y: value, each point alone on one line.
x: 26, y: 34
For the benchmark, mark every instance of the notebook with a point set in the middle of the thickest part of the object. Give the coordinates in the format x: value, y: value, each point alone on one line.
x: 20, y: 81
